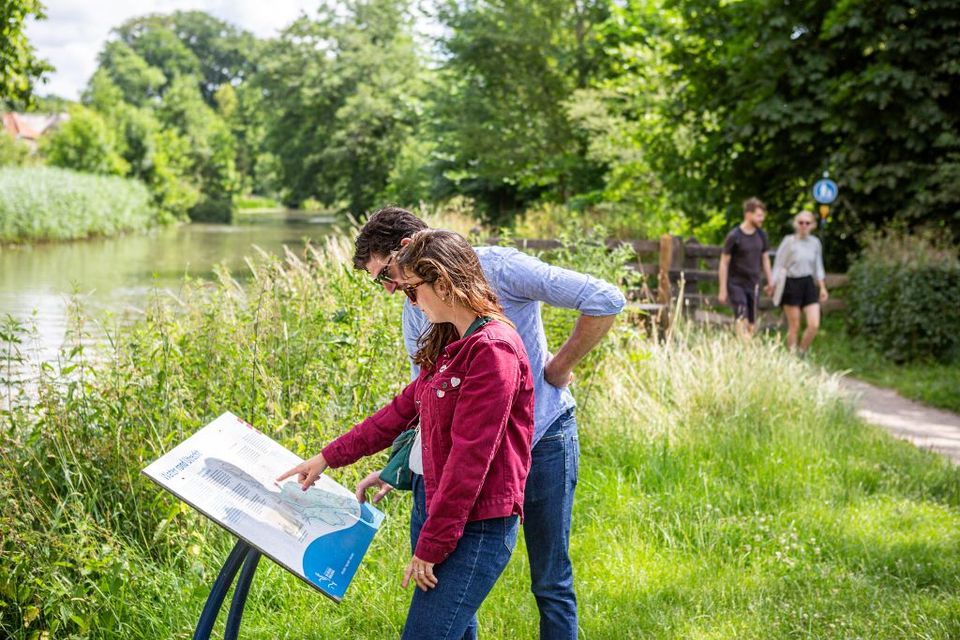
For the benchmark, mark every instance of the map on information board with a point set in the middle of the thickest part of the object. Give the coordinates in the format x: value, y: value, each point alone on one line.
x: 226, y: 471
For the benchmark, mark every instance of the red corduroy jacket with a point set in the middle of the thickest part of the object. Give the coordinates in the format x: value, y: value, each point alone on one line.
x: 476, y: 422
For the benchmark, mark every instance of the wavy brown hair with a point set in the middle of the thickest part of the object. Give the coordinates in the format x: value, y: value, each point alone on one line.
x: 448, y: 262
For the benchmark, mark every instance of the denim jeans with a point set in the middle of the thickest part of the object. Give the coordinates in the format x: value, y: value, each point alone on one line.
x: 547, y: 510
x: 449, y: 610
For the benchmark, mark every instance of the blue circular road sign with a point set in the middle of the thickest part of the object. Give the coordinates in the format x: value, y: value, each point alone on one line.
x: 825, y: 191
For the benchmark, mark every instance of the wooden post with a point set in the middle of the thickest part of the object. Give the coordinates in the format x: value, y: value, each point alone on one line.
x: 691, y: 263
x: 664, y: 292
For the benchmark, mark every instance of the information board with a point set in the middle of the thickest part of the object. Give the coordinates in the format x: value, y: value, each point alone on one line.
x: 226, y: 471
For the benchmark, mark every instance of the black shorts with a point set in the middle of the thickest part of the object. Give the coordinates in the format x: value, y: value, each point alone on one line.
x: 743, y: 300
x: 800, y: 292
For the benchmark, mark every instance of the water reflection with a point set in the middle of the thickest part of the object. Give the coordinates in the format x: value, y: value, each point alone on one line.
x: 118, y: 274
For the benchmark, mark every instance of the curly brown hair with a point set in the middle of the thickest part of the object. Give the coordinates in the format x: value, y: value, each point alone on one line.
x: 447, y: 261
x: 382, y: 234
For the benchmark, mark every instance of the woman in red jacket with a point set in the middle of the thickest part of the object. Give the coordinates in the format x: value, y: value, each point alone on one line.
x: 474, y: 401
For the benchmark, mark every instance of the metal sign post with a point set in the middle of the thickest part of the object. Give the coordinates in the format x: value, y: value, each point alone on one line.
x: 242, y: 554
x: 825, y: 192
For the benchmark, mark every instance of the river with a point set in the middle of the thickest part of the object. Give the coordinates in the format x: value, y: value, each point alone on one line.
x: 119, y: 274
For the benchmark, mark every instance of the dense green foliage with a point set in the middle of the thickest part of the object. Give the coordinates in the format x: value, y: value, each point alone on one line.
x: 772, y: 93
x: 766, y: 513
x: 84, y: 143
x: 645, y: 117
x: 905, y: 295
x: 157, y: 87
x: 42, y: 203
x: 13, y: 153
x: 502, y: 118
x: 344, y: 93
x: 20, y: 69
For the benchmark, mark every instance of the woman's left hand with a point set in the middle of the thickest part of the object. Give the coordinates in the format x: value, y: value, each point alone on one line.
x: 823, y: 294
x: 422, y: 573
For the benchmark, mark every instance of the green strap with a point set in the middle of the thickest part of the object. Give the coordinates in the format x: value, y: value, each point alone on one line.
x: 476, y: 324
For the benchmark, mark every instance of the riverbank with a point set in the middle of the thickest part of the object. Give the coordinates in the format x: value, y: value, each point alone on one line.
x: 725, y: 489
x: 39, y: 204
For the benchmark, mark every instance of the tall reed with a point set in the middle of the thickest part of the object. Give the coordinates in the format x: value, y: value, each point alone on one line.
x: 45, y: 203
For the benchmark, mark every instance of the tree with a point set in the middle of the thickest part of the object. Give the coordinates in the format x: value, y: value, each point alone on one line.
x: 84, y: 143
x: 344, y: 91
x: 211, y: 147
x: 193, y: 43
x: 20, y: 69
x: 139, y: 83
x: 772, y: 93
x: 160, y: 158
x: 503, y: 127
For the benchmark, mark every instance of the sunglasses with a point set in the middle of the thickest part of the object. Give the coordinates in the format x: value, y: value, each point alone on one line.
x: 804, y: 223
x: 410, y: 290
x: 383, y: 276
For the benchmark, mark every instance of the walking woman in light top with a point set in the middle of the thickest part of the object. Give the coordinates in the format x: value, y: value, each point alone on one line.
x: 799, y: 263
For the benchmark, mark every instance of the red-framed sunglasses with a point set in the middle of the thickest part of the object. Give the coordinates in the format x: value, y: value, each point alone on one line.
x: 410, y: 290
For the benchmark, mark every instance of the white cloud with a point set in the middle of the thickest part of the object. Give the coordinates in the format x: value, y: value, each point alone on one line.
x: 75, y: 30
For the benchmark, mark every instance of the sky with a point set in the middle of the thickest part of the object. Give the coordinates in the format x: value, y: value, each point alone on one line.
x: 75, y: 30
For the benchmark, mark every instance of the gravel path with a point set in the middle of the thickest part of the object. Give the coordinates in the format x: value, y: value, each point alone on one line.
x: 924, y: 426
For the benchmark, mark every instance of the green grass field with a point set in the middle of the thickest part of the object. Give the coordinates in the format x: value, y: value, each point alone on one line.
x: 725, y: 491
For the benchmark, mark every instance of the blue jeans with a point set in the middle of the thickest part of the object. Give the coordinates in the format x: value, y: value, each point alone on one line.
x: 449, y: 610
x: 547, y: 510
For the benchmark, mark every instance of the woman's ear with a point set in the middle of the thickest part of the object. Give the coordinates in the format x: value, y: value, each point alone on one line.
x: 444, y: 290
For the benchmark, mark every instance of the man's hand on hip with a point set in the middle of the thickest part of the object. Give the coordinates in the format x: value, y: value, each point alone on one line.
x: 557, y: 376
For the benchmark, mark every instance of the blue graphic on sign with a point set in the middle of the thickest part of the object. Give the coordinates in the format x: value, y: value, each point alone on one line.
x: 825, y: 191
x: 331, y: 560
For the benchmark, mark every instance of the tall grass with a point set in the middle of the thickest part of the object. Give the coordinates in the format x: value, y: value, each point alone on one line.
x: 45, y: 203
x: 725, y: 490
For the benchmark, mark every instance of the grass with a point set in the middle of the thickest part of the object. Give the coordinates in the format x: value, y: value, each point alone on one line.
x: 934, y: 383
x: 725, y: 490
x: 44, y: 203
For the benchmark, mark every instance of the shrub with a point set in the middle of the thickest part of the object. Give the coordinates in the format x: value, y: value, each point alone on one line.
x: 13, y: 153
x: 905, y: 295
x: 212, y: 210
x: 44, y: 203
x: 85, y: 143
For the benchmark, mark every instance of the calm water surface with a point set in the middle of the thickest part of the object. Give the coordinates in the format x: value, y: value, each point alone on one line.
x: 119, y: 274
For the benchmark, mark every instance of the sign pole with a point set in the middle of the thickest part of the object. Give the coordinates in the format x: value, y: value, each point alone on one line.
x: 825, y: 192
x: 240, y: 594
x: 246, y: 555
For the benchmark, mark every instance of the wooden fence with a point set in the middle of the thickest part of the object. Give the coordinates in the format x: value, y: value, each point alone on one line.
x: 674, y: 261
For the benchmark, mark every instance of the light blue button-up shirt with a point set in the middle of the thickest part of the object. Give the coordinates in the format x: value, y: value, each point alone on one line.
x: 522, y: 282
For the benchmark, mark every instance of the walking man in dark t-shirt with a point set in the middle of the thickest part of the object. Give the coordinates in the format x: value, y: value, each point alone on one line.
x: 743, y: 261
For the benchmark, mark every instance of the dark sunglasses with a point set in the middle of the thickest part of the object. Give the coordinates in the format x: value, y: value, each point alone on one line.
x: 410, y: 290
x: 804, y: 223
x: 383, y: 276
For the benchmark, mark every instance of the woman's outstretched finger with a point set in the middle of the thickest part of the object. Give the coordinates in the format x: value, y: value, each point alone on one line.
x: 286, y: 474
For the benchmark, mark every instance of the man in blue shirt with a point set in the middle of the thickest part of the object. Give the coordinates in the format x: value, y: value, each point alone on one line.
x: 522, y: 283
